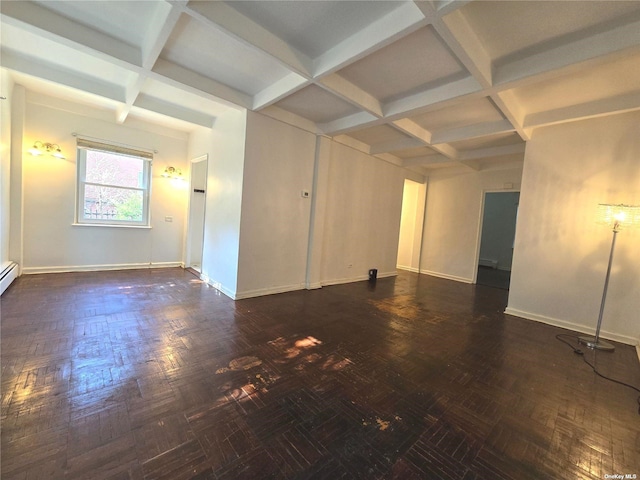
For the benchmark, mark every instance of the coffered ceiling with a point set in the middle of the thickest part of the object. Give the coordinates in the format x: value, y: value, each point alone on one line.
x: 423, y: 84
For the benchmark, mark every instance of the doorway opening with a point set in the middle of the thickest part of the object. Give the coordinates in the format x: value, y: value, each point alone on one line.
x: 197, y: 205
x: 499, y: 216
x: 411, y: 223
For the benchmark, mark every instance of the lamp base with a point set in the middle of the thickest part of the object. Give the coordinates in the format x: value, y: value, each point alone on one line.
x: 599, y: 344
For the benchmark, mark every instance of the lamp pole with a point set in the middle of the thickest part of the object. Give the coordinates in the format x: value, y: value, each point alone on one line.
x: 595, y: 342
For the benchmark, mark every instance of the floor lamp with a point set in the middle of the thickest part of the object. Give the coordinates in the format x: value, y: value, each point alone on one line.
x: 616, y: 217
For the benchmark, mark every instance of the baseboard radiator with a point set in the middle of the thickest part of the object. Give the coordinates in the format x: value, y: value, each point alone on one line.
x: 487, y: 262
x: 8, y: 274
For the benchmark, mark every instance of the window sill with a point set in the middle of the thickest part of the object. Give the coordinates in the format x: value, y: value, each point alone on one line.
x: 110, y: 225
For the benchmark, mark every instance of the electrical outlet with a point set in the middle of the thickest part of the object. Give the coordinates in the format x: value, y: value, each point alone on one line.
x: 304, y: 193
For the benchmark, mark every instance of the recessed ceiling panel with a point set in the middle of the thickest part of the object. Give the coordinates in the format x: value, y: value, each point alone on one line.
x: 508, y: 27
x: 170, y: 94
x: 596, y: 83
x: 64, y: 93
x: 112, y: 18
x: 378, y: 134
x: 313, y: 27
x: 499, y: 140
x: 468, y: 112
x: 155, y: 118
x: 213, y: 54
x: 317, y: 105
x: 27, y: 44
x: 413, y: 63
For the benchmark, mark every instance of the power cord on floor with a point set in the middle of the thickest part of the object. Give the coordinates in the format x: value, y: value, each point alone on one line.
x: 577, y: 351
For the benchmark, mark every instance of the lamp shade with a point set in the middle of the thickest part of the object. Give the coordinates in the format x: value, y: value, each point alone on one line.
x: 619, y: 216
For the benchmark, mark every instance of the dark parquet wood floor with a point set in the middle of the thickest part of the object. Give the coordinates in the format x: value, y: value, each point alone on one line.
x: 153, y: 375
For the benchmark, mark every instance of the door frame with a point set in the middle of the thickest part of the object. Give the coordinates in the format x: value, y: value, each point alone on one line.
x: 480, y: 223
x: 189, y: 233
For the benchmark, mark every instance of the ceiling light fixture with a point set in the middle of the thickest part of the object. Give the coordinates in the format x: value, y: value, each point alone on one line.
x: 40, y: 148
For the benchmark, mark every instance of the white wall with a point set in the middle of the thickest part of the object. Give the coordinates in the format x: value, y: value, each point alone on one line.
x: 225, y: 145
x: 50, y: 240
x: 561, y: 255
x: 452, y: 221
x: 5, y: 165
x: 362, y: 211
x: 411, y: 223
x: 274, y: 236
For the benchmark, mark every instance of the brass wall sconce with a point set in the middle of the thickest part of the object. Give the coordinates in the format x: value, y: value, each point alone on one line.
x: 172, y: 172
x: 40, y: 148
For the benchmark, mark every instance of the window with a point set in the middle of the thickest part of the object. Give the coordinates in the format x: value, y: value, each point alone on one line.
x: 113, y: 184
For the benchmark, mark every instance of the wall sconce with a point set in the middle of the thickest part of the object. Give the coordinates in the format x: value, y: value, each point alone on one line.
x: 40, y: 148
x: 172, y: 172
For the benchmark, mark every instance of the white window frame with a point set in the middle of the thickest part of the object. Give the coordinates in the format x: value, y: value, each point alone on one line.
x: 84, y: 145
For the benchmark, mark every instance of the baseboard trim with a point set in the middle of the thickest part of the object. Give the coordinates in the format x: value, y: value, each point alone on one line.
x: 408, y: 269
x: 447, y: 276
x: 626, y: 339
x: 218, y: 286
x: 98, y: 268
x: 359, y: 278
x: 269, y: 291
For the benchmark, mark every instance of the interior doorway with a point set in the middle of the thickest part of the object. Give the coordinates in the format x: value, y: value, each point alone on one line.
x: 197, y: 206
x: 500, y: 211
x: 411, y: 223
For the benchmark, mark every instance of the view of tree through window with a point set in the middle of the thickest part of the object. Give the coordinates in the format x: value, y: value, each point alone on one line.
x: 113, y: 187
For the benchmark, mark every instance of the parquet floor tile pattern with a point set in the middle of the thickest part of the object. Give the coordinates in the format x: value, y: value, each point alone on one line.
x: 152, y: 374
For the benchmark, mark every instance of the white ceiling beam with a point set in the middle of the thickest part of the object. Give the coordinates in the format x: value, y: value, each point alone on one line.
x: 425, y: 160
x: 468, y: 48
x: 491, y: 152
x: 412, y: 129
x: 53, y: 74
x: 225, y: 18
x: 131, y: 93
x: 599, y: 108
x: 351, y: 93
x: 160, y: 31
x: 511, y: 108
x: 565, y: 55
x: 458, y: 35
x: 445, y: 7
x: 348, y: 123
x: 446, y: 150
x: 431, y: 98
x: 31, y: 17
x: 171, y: 110
x: 472, y: 164
x: 387, y: 157
x: 402, y: 21
x: 291, y: 83
x: 395, y: 145
x: 122, y: 112
x: 473, y: 131
x: 353, y: 143
x: 170, y: 73
x: 289, y: 118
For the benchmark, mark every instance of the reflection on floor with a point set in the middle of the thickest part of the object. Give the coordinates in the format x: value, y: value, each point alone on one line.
x: 152, y: 374
x: 492, y: 277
